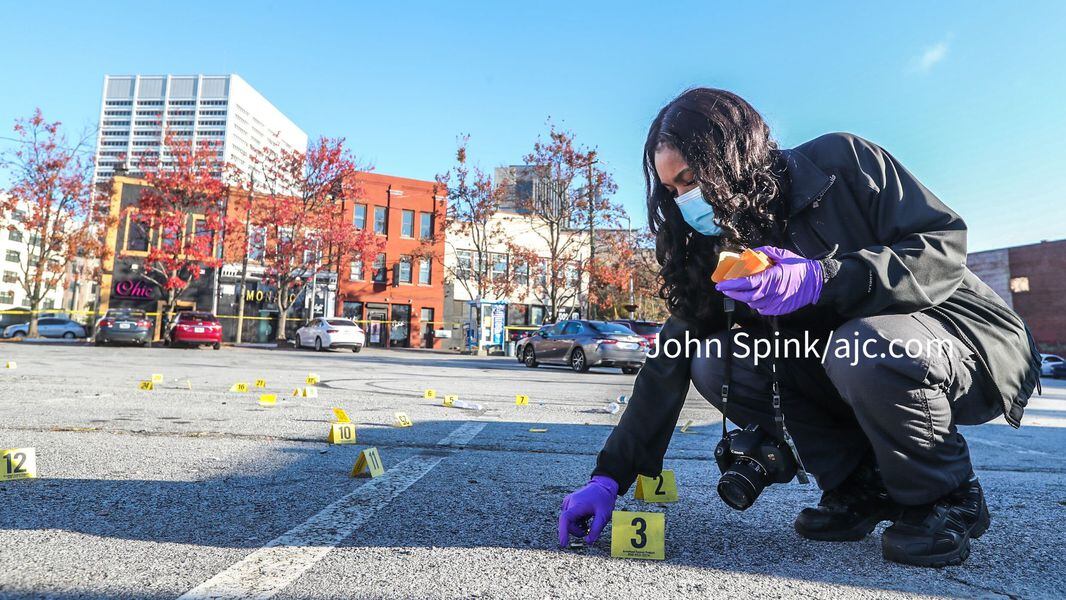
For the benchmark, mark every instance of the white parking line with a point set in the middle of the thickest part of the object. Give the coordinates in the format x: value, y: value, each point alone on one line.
x: 272, y: 568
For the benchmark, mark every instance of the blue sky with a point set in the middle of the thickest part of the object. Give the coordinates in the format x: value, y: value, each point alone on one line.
x: 968, y: 95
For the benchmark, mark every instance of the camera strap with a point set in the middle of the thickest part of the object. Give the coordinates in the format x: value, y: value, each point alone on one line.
x: 779, y: 415
x: 728, y: 305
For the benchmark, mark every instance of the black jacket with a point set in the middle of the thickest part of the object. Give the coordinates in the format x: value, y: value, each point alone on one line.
x: 901, y: 250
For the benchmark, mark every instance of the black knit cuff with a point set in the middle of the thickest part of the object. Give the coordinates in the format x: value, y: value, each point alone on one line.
x: 830, y: 268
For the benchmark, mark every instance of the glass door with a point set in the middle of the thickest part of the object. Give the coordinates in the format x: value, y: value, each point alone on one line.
x: 375, y: 329
x: 426, y: 321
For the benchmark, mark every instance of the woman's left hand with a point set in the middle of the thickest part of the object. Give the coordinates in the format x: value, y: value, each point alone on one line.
x: 787, y: 285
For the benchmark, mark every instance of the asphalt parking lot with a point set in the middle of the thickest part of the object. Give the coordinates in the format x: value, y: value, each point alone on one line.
x: 193, y: 490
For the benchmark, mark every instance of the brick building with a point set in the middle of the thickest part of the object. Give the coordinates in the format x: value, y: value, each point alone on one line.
x: 1030, y: 279
x: 398, y: 298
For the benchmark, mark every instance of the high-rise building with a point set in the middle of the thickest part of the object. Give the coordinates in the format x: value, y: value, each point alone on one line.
x: 17, y: 247
x: 203, y: 109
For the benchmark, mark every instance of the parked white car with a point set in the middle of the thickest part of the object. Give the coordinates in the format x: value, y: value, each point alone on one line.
x: 323, y: 334
x: 1048, y: 362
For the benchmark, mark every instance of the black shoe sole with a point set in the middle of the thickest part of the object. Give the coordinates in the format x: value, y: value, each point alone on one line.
x: 853, y: 534
x: 945, y: 559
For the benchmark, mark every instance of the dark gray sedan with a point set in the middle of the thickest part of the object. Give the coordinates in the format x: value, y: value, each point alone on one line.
x: 582, y: 344
x: 124, y: 325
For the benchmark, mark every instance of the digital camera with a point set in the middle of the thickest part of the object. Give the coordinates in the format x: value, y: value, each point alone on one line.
x: 750, y: 459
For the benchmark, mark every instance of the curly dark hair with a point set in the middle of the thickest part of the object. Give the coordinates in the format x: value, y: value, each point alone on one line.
x: 727, y: 145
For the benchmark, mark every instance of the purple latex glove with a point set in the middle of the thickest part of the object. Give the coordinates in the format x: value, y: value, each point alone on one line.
x: 596, y: 501
x: 789, y: 284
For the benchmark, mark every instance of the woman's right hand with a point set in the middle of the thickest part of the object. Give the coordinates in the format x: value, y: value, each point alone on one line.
x: 596, y: 501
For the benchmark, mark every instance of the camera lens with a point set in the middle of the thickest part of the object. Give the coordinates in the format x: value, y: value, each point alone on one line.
x: 741, y: 485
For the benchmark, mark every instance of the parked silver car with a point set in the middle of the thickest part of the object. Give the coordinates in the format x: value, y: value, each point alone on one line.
x: 1048, y: 362
x: 582, y: 344
x: 49, y: 327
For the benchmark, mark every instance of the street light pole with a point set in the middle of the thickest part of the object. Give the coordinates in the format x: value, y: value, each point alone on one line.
x: 629, y: 228
x: 592, y: 234
x: 244, y: 262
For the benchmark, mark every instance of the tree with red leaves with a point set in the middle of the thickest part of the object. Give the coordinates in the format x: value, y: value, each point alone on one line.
x: 52, y: 196
x: 300, y: 207
x: 570, y: 200
x: 625, y: 273
x: 181, y: 212
x: 476, y: 236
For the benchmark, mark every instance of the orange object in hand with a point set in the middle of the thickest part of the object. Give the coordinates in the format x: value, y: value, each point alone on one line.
x: 732, y: 265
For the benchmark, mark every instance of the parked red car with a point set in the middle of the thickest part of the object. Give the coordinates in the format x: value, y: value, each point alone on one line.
x: 195, y: 328
x: 648, y: 330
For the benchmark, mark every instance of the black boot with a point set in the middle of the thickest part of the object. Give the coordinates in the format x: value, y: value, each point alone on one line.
x: 938, y: 534
x: 850, y: 511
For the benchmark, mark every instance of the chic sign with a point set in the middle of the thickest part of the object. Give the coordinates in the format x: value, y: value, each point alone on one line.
x: 135, y: 289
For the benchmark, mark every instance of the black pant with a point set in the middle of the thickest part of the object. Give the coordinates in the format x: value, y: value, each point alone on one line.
x: 903, y: 408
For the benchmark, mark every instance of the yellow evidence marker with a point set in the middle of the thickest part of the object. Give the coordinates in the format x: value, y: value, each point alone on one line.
x: 312, y: 379
x: 341, y: 416
x: 268, y: 399
x: 18, y: 463
x: 402, y: 420
x: 260, y: 383
x: 146, y: 385
x: 657, y: 489
x: 521, y: 400
x: 368, y: 461
x: 157, y: 378
x: 240, y: 386
x: 310, y: 392
x: 341, y: 433
x: 10, y: 365
x: 450, y: 399
x: 429, y: 394
x: 638, y: 535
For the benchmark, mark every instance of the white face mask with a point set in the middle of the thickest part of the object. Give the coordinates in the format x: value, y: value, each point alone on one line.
x: 698, y: 213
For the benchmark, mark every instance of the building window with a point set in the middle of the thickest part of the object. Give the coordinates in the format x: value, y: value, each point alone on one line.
x: 360, y: 216
x: 355, y: 270
x: 517, y: 314
x: 521, y: 274
x: 48, y: 304
x: 13, y: 256
x: 352, y: 310
x: 465, y: 266
x: 380, y: 221
x: 7, y: 297
x: 14, y: 235
x: 407, y: 225
x: 380, y: 272
x: 425, y: 225
x: 136, y: 236
x: 1019, y: 284
x: 499, y: 267
x: 425, y: 271
x: 536, y: 315
x: 256, y: 243
x: 11, y: 277
x: 404, y: 274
